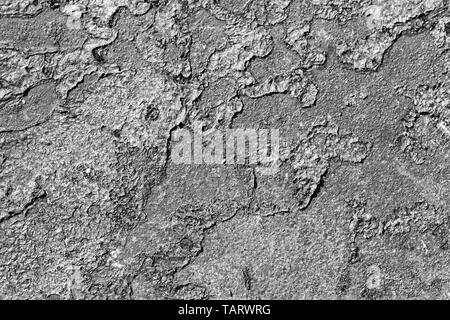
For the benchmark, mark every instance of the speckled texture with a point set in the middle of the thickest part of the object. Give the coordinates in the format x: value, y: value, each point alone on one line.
x: 93, y: 92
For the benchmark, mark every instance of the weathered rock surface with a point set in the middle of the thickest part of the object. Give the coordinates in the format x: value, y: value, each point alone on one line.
x: 93, y: 92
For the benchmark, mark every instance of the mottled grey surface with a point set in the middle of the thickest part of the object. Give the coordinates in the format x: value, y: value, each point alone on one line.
x: 92, y: 92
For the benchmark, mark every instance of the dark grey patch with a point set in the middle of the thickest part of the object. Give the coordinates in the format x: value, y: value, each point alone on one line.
x: 33, y: 109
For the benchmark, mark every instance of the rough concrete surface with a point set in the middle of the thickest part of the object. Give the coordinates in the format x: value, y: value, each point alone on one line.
x: 94, y: 93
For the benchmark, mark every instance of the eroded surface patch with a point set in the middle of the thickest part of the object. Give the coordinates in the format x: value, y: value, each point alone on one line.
x: 93, y: 94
